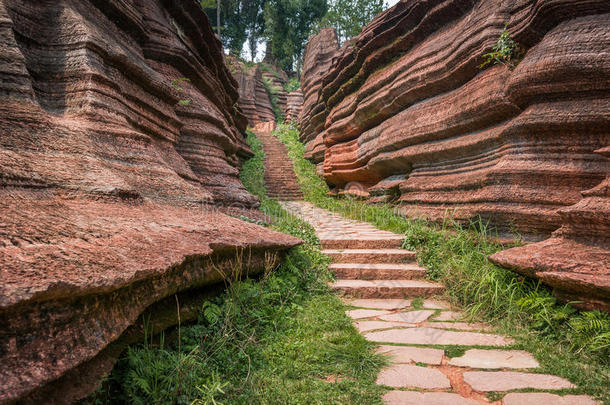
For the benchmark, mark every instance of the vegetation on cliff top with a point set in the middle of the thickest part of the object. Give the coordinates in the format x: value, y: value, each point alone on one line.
x: 566, y: 342
x: 284, y: 26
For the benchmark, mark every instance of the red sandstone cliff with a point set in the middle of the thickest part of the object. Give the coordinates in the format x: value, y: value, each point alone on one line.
x: 254, y: 95
x: 317, y: 61
x: 254, y: 100
x: 406, y: 110
x: 294, y: 104
x: 119, y: 138
x: 576, y: 259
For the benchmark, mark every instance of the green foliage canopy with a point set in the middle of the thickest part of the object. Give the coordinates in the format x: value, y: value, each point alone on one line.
x: 348, y: 17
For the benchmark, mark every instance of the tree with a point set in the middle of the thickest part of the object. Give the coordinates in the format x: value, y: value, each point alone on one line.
x: 230, y: 22
x: 348, y: 17
x: 288, y: 24
x: 213, y: 4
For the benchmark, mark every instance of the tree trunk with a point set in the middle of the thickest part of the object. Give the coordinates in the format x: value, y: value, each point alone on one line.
x: 218, y: 18
x: 253, y: 42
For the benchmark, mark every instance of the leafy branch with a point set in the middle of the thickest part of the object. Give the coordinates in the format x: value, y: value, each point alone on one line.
x: 506, y: 52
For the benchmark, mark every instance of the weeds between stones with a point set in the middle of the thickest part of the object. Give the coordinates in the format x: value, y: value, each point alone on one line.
x: 566, y: 342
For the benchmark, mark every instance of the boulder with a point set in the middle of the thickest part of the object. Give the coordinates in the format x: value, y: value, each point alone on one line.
x: 121, y: 149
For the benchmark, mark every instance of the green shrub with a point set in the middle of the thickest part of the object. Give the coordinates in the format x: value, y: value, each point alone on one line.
x: 506, y: 52
x: 292, y: 85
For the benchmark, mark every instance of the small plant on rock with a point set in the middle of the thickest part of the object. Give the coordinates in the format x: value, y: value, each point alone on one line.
x: 506, y: 52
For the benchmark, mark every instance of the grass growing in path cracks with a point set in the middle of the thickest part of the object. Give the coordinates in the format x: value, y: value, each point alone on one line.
x: 283, y: 339
x: 566, y: 342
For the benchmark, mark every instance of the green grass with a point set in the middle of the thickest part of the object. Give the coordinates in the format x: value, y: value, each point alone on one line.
x: 273, y: 91
x: 276, y: 340
x: 568, y: 343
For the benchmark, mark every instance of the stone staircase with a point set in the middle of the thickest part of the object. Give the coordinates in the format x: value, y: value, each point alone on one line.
x: 280, y: 179
x: 379, y: 282
x: 367, y: 262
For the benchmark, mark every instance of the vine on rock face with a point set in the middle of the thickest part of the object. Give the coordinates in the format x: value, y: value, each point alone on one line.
x: 506, y: 52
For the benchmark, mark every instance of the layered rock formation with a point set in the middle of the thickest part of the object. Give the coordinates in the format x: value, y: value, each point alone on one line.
x: 255, y: 96
x: 276, y: 77
x: 406, y: 110
x: 120, y: 148
x: 294, y: 103
x: 317, y: 61
x: 254, y: 100
x: 575, y: 261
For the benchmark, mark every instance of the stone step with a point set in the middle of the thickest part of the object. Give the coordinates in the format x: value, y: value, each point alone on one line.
x: 386, y: 288
x: 384, y: 271
x: 370, y: 255
x: 359, y: 242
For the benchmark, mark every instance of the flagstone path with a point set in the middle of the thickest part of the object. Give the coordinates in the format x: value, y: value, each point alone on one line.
x: 392, y: 304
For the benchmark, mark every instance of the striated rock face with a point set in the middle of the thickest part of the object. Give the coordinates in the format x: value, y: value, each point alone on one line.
x: 407, y: 97
x: 576, y: 259
x: 277, y: 78
x: 254, y: 100
x: 294, y: 103
x: 406, y: 110
x: 120, y: 147
x: 317, y: 61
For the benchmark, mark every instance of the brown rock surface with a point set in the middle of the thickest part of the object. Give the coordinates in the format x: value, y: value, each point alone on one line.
x: 316, y: 62
x: 405, y: 110
x: 575, y: 261
x: 294, y: 104
x: 254, y: 100
x: 119, y: 148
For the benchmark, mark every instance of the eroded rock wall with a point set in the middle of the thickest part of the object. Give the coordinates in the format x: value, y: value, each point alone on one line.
x: 254, y: 100
x: 575, y: 261
x: 406, y: 110
x: 120, y: 148
x: 408, y: 98
x: 294, y: 104
x: 318, y: 58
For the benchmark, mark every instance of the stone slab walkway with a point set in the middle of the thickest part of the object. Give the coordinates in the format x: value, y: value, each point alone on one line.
x: 280, y: 180
x: 391, y: 305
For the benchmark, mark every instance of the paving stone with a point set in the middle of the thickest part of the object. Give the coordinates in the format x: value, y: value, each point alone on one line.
x: 367, y: 326
x: 411, y: 316
x: 434, y: 304
x: 511, y: 380
x: 426, y: 398
x: 409, y: 376
x: 459, y: 325
x: 377, y: 271
x: 380, y: 303
x: 365, y: 313
x: 543, y: 398
x: 407, y: 354
x: 386, y: 288
x: 431, y: 336
x: 369, y: 255
x: 449, y: 316
x: 477, y: 358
